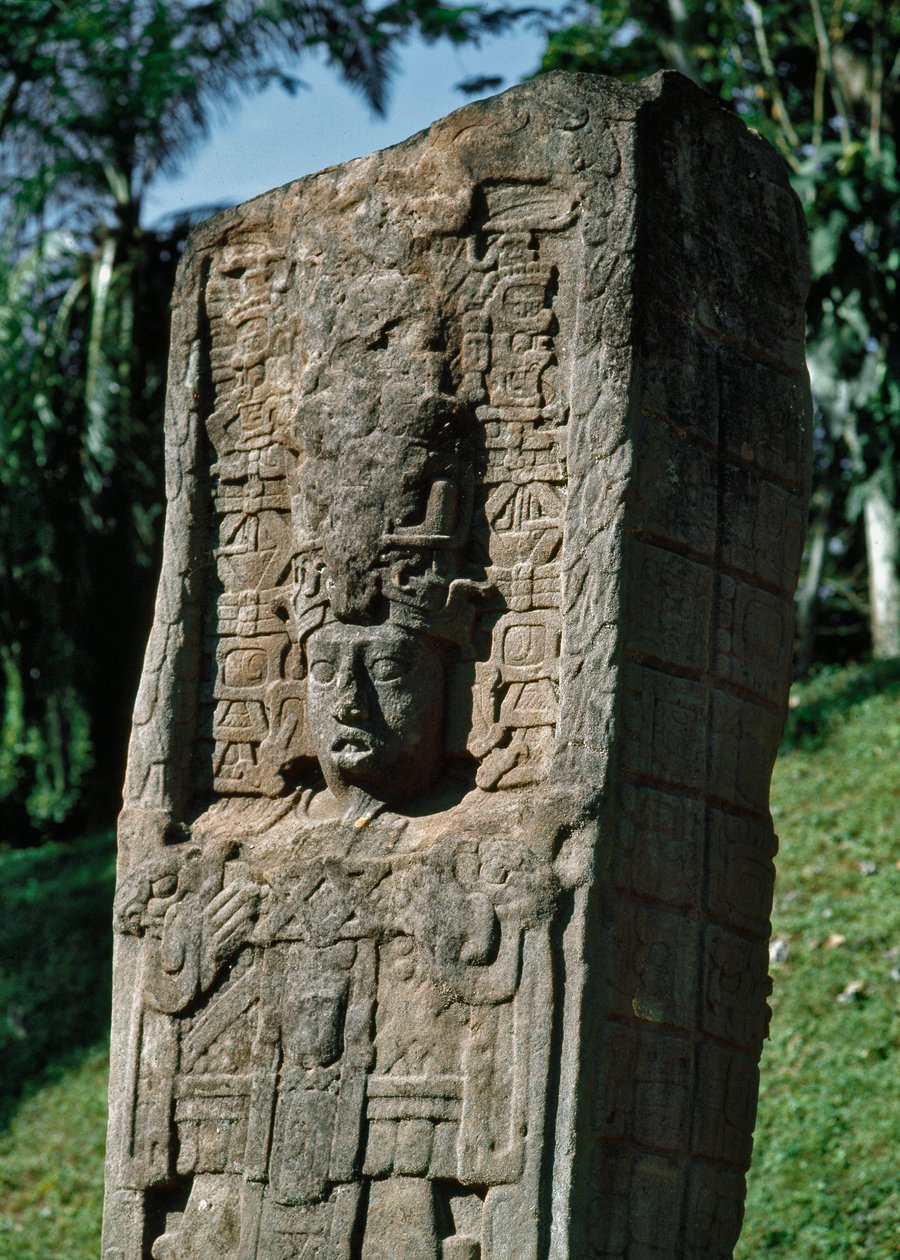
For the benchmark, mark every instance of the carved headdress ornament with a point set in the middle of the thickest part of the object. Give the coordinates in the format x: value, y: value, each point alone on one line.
x: 383, y: 507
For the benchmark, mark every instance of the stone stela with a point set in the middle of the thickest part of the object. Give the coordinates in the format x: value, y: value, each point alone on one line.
x: 445, y: 861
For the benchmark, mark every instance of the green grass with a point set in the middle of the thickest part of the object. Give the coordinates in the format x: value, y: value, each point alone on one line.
x: 823, y: 1185
x: 55, y: 963
x: 824, y: 1180
x: 51, y: 1165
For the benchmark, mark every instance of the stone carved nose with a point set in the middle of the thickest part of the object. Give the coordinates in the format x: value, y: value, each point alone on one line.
x: 350, y: 702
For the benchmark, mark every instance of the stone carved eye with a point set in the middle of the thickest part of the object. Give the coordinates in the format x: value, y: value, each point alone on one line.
x: 323, y: 672
x: 387, y: 669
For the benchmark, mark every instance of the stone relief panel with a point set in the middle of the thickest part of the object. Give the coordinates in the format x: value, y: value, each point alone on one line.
x: 291, y: 490
x: 342, y: 1034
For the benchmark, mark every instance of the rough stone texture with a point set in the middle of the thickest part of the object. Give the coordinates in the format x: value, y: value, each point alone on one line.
x: 446, y: 859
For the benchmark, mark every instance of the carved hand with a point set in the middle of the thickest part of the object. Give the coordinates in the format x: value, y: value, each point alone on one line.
x: 227, y: 922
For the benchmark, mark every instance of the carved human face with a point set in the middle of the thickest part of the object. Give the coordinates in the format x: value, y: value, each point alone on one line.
x: 376, y: 709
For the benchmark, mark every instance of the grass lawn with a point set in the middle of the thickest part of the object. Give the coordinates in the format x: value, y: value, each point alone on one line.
x: 824, y: 1182
x: 51, y: 1165
x: 55, y: 961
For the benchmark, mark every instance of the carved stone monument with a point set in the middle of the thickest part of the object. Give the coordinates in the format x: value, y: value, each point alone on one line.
x: 446, y: 858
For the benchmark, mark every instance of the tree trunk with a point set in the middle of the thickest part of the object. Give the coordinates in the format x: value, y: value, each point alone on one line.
x: 884, y: 581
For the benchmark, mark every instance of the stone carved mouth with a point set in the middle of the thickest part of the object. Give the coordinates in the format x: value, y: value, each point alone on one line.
x: 360, y: 742
x: 350, y: 749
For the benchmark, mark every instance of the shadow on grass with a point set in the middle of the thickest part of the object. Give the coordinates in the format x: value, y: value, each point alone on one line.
x: 55, y: 958
x: 827, y: 699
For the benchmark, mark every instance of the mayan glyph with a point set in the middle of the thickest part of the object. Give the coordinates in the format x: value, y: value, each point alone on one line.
x: 445, y: 858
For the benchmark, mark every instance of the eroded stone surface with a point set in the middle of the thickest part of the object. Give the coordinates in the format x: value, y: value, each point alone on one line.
x: 446, y: 860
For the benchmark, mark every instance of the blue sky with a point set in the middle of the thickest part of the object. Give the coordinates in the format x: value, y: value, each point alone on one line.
x: 273, y: 138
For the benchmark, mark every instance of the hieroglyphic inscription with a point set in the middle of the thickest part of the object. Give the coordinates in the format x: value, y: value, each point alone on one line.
x: 250, y: 368
x: 510, y: 358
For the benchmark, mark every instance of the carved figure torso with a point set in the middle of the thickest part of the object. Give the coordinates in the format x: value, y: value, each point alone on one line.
x: 353, y: 1016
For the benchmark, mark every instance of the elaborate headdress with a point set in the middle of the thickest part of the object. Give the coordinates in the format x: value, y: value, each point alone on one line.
x: 383, y: 506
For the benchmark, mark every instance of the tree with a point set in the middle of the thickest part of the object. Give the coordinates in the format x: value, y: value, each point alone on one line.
x: 97, y: 98
x: 820, y: 81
